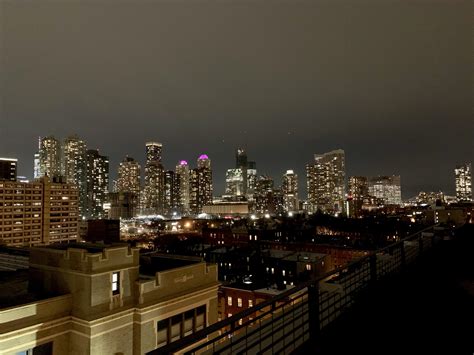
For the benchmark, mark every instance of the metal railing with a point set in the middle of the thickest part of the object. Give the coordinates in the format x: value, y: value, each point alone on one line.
x: 285, y: 322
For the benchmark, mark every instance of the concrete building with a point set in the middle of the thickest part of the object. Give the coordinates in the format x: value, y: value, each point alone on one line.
x: 123, y: 205
x: 231, y: 208
x: 463, y: 174
x: 96, y: 299
x: 200, y: 185
x: 326, y: 182
x: 39, y: 212
x: 97, y: 184
x: 8, y: 169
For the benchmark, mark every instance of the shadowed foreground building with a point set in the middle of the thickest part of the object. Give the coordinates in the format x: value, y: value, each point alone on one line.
x: 96, y: 299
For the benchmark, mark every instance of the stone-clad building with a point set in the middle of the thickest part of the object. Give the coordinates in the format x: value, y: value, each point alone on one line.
x: 96, y: 299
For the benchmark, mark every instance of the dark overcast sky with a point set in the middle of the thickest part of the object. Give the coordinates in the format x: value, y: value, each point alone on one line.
x: 389, y: 81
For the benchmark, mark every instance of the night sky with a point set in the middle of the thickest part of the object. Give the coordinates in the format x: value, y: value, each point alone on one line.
x: 388, y: 81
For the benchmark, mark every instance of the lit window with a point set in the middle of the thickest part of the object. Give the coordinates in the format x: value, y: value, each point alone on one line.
x: 229, y: 315
x: 273, y: 270
x: 115, y: 283
x: 229, y: 301
x: 239, y: 302
x: 308, y: 267
x: 283, y: 272
x: 240, y: 321
x: 250, y: 303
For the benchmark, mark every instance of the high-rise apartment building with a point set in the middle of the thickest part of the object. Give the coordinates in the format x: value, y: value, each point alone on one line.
x: 241, y: 162
x: 290, y: 191
x: 50, y: 157
x: 8, y: 169
x: 172, y: 193
x: 39, y: 212
x: 182, y: 175
x: 463, y: 174
x: 326, y: 182
x: 263, y: 195
x: 251, y: 179
x: 153, y: 191
x: 358, y: 191
x: 74, y: 167
x: 234, y: 180
x: 386, y: 188
x: 36, y: 166
x: 97, y: 186
x: 200, y: 185
x: 128, y: 180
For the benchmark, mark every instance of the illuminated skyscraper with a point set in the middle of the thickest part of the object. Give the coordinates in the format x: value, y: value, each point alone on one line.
x: 200, y: 185
x: 74, y: 167
x: 172, y: 193
x: 289, y: 190
x: 153, y: 191
x: 386, y: 188
x: 50, y: 157
x: 241, y: 162
x: 463, y: 175
x: 182, y: 172
x: 251, y: 179
x: 326, y: 182
x: 264, y: 195
x: 129, y: 180
x: 8, y: 169
x: 97, y: 184
x: 235, y: 181
x: 358, y: 190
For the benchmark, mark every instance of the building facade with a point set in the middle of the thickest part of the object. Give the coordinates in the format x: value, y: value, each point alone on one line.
x: 50, y: 157
x: 326, y: 182
x: 74, y: 167
x: 97, y: 185
x: 39, y: 212
x: 290, y: 191
x: 128, y: 181
x: 108, y: 300
x: 463, y: 175
x: 182, y: 174
x: 386, y: 188
x: 153, y: 191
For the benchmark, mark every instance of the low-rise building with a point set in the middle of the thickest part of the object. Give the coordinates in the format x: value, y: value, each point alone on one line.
x: 96, y: 299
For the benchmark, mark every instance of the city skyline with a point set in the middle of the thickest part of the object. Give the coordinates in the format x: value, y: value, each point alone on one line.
x: 211, y: 77
x: 220, y: 173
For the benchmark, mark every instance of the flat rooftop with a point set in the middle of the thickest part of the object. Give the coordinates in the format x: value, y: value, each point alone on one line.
x: 89, y: 247
x: 152, y: 263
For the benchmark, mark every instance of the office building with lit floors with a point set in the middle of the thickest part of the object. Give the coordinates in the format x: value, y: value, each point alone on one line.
x: 104, y: 299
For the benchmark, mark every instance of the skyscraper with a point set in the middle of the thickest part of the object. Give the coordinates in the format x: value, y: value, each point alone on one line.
x: 36, y: 166
x: 264, y: 195
x: 50, y: 157
x: 182, y: 172
x: 8, y: 169
x: 153, y: 191
x: 97, y: 184
x: 235, y: 181
x: 251, y: 179
x: 241, y: 162
x: 326, y: 182
x: 386, y: 188
x: 463, y: 174
x: 74, y: 167
x: 290, y: 191
x: 129, y: 180
x: 358, y: 190
x: 172, y: 193
x: 200, y: 185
